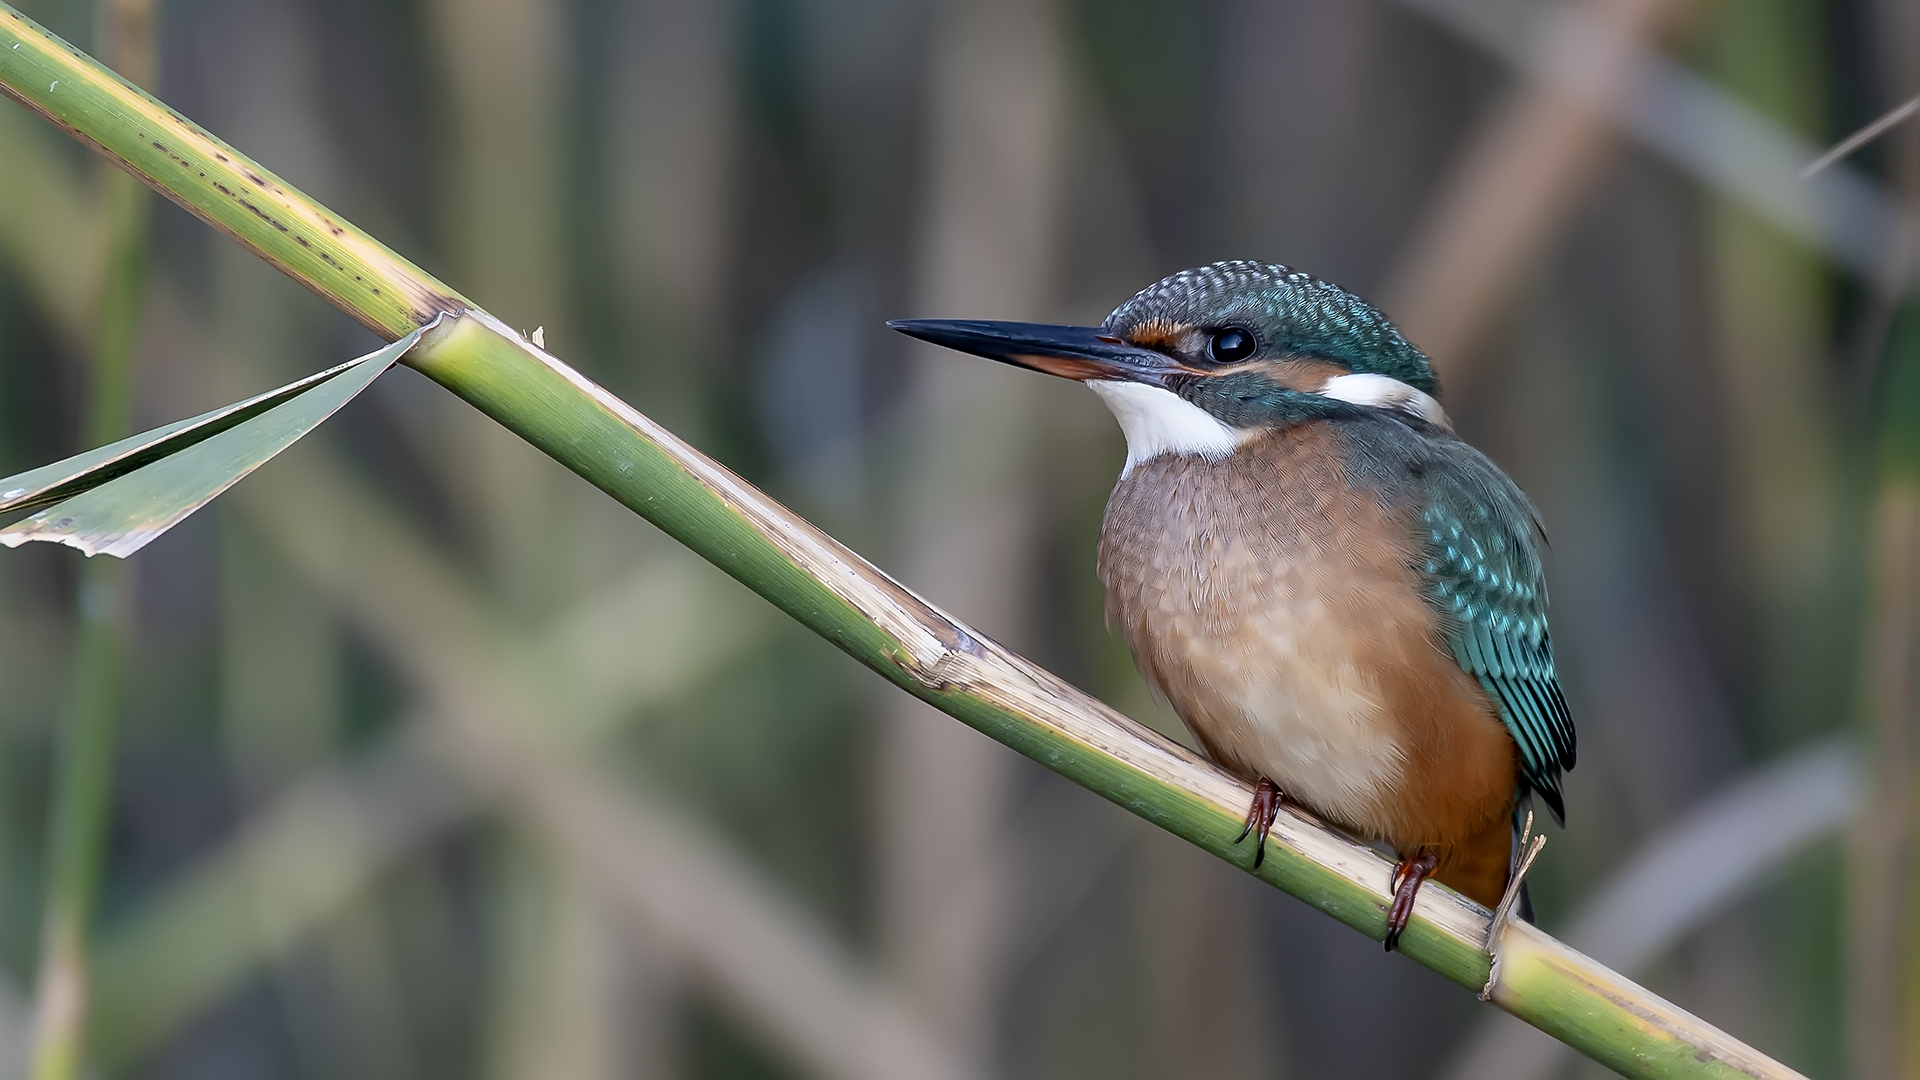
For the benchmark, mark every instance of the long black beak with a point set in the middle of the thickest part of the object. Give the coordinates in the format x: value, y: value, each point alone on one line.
x: 1071, y: 352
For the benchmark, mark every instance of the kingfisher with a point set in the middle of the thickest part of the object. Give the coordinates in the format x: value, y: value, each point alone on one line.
x: 1343, y: 601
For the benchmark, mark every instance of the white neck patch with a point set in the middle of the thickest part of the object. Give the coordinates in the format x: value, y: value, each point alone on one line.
x: 1382, y: 392
x: 1157, y: 421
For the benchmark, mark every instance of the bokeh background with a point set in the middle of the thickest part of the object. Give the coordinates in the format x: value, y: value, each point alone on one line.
x: 738, y: 854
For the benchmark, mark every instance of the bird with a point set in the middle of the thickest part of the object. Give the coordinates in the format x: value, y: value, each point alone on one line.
x: 1344, y: 601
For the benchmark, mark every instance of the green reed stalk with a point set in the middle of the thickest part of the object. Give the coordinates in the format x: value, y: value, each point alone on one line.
x: 833, y: 591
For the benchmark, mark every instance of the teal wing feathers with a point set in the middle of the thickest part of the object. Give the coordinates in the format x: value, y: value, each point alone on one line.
x: 1482, y: 571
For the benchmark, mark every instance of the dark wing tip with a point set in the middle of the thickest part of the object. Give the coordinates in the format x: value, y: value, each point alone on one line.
x: 1555, y: 806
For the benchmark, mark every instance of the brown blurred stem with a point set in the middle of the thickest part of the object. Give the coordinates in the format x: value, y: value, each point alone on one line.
x: 1510, y: 191
x: 83, y: 790
x: 1884, y: 1032
x: 1883, y: 857
x: 969, y: 522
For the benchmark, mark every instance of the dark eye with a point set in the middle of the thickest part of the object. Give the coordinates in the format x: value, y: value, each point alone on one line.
x: 1230, y: 345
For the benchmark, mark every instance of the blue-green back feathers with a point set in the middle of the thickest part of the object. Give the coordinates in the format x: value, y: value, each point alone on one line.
x: 1482, y: 573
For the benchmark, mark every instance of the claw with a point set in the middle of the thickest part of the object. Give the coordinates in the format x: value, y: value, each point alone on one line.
x: 1266, y: 807
x: 1408, y: 875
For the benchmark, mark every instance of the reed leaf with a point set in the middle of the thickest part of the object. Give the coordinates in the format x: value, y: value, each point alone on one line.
x: 121, y: 497
x: 836, y: 593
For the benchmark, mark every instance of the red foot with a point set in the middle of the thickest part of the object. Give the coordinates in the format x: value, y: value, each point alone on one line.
x: 1405, y: 884
x: 1266, y: 807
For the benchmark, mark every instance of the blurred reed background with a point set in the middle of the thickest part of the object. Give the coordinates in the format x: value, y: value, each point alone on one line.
x: 1702, y: 368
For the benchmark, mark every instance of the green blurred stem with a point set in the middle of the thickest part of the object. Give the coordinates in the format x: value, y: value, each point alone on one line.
x: 110, y: 405
x: 77, y: 839
x: 833, y: 591
x: 83, y: 790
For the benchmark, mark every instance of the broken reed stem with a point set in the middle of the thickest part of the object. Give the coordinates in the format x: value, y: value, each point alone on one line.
x: 83, y: 791
x: 836, y: 593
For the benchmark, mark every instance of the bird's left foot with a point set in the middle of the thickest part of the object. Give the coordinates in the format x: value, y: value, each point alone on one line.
x: 1405, y: 885
x: 1266, y: 807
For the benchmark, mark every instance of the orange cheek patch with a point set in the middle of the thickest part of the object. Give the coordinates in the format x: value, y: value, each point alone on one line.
x: 1156, y: 334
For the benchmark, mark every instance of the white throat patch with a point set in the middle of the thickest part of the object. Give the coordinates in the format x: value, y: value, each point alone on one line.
x: 1382, y: 392
x: 1157, y: 421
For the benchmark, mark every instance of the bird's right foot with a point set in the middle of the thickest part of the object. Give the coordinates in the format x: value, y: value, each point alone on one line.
x: 1405, y: 884
x: 1266, y: 807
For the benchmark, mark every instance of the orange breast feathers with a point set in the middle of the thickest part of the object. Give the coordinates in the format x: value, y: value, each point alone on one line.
x: 1278, y: 609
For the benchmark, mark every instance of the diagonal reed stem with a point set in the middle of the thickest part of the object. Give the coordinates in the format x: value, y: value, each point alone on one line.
x: 834, y: 592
